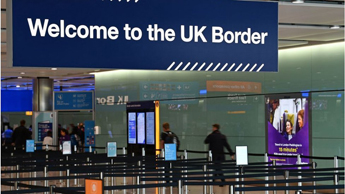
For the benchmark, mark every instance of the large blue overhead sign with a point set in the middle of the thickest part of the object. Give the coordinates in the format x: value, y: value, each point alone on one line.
x: 73, y: 101
x: 202, y: 35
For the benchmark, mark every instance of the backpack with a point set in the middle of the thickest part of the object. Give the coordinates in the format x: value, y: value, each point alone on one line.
x: 172, y: 138
x: 75, y: 140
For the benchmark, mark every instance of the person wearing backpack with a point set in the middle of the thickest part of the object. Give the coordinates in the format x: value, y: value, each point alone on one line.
x: 217, y: 141
x: 168, y: 136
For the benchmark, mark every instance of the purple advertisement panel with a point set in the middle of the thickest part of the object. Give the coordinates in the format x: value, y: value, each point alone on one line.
x: 288, y: 130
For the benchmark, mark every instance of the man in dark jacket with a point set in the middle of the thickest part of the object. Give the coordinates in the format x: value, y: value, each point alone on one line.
x: 217, y: 142
x: 20, y: 135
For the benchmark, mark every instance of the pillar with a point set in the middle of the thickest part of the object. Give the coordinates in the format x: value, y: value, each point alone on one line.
x: 43, y: 88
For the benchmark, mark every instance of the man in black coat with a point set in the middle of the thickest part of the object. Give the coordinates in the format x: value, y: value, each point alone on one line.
x: 20, y: 135
x: 217, y: 141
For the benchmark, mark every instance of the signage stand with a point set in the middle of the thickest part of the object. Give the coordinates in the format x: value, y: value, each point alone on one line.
x: 41, y: 123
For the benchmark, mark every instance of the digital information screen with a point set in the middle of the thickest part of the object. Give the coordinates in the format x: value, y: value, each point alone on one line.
x: 111, y: 149
x: 150, y: 128
x: 132, y: 128
x: 141, y: 127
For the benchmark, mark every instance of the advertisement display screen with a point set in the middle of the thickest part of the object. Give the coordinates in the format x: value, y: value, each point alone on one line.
x: 141, y: 128
x: 287, y: 129
x: 150, y: 128
x: 132, y: 128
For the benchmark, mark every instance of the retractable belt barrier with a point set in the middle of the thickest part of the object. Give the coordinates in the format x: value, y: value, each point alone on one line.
x: 181, y: 173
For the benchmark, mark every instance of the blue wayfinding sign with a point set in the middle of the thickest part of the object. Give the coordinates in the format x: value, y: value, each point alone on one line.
x: 30, y: 145
x: 73, y: 100
x: 198, y: 35
x: 170, y: 151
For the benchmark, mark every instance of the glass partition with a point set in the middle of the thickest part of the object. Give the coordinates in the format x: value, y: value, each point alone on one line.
x: 192, y: 101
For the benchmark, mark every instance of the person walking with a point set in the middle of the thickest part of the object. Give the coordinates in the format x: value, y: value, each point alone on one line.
x: 20, y: 135
x: 217, y: 141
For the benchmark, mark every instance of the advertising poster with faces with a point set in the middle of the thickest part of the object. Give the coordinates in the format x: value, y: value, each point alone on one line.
x: 287, y: 129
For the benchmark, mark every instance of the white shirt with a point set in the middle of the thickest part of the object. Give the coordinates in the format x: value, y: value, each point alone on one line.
x: 48, y: 141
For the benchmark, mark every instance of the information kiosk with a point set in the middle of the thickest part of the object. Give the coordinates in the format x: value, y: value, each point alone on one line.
x: 142, y: 127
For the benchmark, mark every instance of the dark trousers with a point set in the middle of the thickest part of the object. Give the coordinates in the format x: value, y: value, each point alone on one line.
x: 218, y: 159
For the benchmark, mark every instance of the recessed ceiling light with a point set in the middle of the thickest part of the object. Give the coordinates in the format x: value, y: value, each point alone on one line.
x: 54, y: 69
x: 19, y: 77
x: 18, y: 86
x: 297, y: 1
x: 22, y: 73
x: 335, y: 27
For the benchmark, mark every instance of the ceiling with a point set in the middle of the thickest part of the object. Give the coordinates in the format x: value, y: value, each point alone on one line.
x: 299, y: 25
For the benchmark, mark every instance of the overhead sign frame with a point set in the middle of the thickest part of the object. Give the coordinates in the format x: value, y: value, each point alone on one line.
x: 246, y: 41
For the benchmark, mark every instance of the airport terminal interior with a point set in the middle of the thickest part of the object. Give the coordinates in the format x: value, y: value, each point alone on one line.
x: 172, y: 97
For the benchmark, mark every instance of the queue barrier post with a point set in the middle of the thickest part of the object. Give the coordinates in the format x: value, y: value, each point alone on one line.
x: 314, y: 182
x: 186, y: 171
x: 299, y: 162
x: 142, y: 168
x: 138, y: 177
x: 163, y: 167
x: 133, y: 178
x: 124, y: 172
x: 171, y: 167
x: 90, y: 149
x: 205, y: 175
x: 336, y: 177
x: 11, y: 176
x: 286, y: 176
x: 60, y: 172
x: 68, y: 180
x: 274, y: 177
x: 266, y: 177
x: 112, y: 178
x: 45, y: 174
x: 47, y: 147
x: 231, y: 189
x: 209, y: 170
x: 242, y: 179
x: 51, y: 189
x: 180, y: 187
x: 17, y: 176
